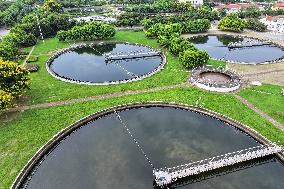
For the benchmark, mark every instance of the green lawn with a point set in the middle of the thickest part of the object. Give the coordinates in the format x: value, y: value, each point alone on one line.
x: 29, y: 130
x: 268, y: 98
x: 45, y: 88
x: 23, y: 133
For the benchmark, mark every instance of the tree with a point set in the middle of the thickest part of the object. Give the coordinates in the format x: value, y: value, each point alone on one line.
x: 193, y: 58
x: 195, y: 26
x: 8, y: 51
x: 89, y: 31
x: 52, y: 6
x: 232, y: 23
x: 179, y: 45
x: 256, y: 25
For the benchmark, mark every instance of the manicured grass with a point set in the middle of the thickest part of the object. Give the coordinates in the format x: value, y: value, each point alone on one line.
x: 45, y: 88
x: 268, y: 98
x: 29, y: 130
x: 217, y: 63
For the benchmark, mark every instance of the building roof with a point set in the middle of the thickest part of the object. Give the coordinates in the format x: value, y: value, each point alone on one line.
x: 234, y: 6
x: 279, y: 4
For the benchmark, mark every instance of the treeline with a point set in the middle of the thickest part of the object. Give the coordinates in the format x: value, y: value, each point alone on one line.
x: 193, y: 26
x: 127, y: 2
x: 160, y: 6
x: 131, y: 18
x: 81, y: 3
x: 50, y: 19
x: 89, y: 31
x: 16, y: 11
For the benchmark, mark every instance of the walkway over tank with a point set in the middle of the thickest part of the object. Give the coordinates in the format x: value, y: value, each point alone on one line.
x: 130, y: 55
x: 166, y: 176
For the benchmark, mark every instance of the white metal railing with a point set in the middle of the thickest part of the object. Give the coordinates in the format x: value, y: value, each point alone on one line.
x: 165, y: 176
x: 131, y: 54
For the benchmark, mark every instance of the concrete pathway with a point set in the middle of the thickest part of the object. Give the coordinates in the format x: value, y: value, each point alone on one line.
x: 92, y: 98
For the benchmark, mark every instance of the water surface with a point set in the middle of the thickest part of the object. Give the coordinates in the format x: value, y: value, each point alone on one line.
x: 101, y: 154
x: 217, y: 47
x: 88, y: 64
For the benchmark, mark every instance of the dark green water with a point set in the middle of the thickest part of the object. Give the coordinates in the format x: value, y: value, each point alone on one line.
x: 101, y: 155
x: 88, y: 64
x: 216, y: 46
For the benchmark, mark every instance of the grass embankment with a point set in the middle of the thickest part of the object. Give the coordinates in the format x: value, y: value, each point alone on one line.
x: 45, y: 88
x: 268, y: 98
x: 21, y: 137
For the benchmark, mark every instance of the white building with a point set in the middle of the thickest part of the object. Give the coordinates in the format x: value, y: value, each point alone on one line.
x: 275, y: 24
x: 193, y: 2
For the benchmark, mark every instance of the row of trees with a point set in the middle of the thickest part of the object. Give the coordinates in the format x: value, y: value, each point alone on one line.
x: 15, y: 12
x: 89, y: 31
x: 50, y: 19
x: 169, y: 36
x: 194, y: 26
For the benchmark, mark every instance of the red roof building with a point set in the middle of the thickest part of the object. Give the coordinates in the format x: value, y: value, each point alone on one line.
x: 278, y: 5
x: 235, y: 7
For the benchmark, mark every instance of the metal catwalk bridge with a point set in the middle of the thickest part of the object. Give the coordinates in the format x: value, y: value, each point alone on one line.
x: 247, y: 44
x: 129, y: 55
x: 166, y: 176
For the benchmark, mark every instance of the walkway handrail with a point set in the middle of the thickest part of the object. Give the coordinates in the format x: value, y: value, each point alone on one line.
x: 165, y: 176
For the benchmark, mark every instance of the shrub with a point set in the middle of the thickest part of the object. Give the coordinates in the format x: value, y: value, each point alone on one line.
x: 8, y: 50
x: 32, y: 58
x: 163, y: 30
x: 193, y: 58
x: 231, y: 23
x: 179, y: 45
x: 90, y: 31
x: 5, y: 100
x: 256, y: 25
x: 14, y: 79
x: 195, y: 26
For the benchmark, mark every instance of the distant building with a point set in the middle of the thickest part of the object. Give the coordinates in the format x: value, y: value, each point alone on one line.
x: 275, y: 23
x: 193, y: 2
x: 95, y: 18
x: 234, y: 8
x: 277, y: 6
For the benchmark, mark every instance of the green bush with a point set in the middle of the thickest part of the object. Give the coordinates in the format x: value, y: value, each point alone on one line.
x: 256, y: 25
x: 179, y: 45
x: 230, y: 23
x: 195, y: 26
x: 163, y: 30
x: 8, y: 50
x: 6, y: 100
x: 14, y: 78
x: 89, y: 31
x: 32, y: 58
x: 193, y: 58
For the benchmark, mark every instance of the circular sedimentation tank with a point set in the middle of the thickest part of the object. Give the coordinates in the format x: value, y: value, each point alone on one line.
x: 215, y: 79
x: 239, y: 49
x: 91, y: 63
x: 98, y: 152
